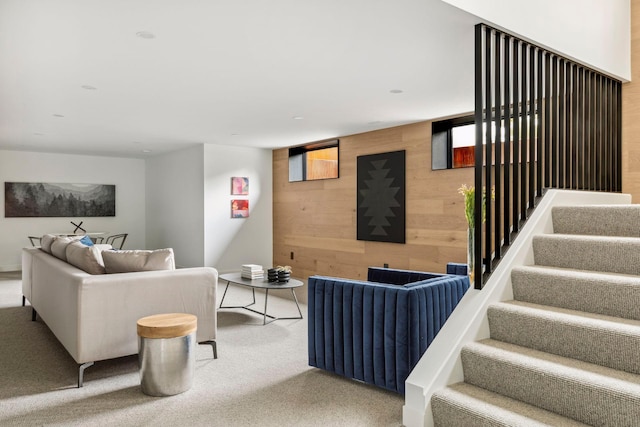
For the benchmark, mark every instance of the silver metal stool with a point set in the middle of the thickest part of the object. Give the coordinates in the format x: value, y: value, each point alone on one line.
x: 166, y: 356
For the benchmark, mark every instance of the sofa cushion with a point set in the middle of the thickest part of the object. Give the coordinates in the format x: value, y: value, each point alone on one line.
x: 103, y: 246
x: 46, y: 241
x: 59, y: 246
x: 138, y: 260
x: 87, y: 258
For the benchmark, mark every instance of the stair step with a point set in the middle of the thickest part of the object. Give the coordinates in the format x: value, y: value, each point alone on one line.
x: 592, y: 253
x: 578, y: 290
x: 594, y: 338
x: 463, y: 404
x: 599, y: 220
x: 585, y: 392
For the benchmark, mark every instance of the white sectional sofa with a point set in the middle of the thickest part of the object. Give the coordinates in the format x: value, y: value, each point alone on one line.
x: 94, y: 315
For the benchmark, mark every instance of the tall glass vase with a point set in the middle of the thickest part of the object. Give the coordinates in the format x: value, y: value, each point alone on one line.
x: 471, y: 253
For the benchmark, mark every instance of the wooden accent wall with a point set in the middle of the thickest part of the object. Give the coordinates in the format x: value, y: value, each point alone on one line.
x: 631, y: 113
x: 316, y: 220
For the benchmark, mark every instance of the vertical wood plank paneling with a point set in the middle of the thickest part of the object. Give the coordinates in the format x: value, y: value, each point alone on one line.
x: 316, y: 220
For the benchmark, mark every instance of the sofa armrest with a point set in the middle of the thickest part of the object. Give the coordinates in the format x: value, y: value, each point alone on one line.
x: 112, y: 303
x: 27, y: 266
x: 359, y: 330
x: 377, y: 332
x: 431, y: 303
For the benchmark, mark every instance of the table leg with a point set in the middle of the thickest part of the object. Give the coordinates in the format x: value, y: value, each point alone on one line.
x: 266, y: 297
x: 224, y: 295
x: 297, y: 305
x: 237, y: 306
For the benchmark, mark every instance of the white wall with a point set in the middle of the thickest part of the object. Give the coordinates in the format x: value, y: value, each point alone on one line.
x: 189, y: 206
x: 231, y: 242
x: 175, y: 205
x: 126, y: 174
x: 596, y: 32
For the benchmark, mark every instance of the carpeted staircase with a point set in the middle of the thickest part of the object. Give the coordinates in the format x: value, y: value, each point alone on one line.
x: 566, y: 350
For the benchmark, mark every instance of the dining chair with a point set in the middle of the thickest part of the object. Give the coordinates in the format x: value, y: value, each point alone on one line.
x: 35, y: 241
x: 114, y: 239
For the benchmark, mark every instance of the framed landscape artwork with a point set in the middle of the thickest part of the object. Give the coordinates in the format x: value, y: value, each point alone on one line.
x: 37, y: 199
x: 381, y: 197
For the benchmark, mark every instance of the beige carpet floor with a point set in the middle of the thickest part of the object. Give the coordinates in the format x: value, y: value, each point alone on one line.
x: 261, y: 378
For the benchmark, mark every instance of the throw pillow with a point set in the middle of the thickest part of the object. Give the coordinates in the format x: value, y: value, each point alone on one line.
x: 86, y: 240
x: 46, y: 241
x: 138, y: 260
x: 59, y: 246
x: 84, y: 257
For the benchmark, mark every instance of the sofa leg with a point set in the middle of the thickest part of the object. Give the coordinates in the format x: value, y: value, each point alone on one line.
x: 81, y: 369
x: 213, y: 344
x: 24, y: 300
x: 34, y: 314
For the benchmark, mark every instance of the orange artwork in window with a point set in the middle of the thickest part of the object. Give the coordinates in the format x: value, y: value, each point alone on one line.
x: 464, y: 156
x: 322, y: 164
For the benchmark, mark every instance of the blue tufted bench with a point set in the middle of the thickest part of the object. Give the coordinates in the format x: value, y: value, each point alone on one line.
x: 376, y: 331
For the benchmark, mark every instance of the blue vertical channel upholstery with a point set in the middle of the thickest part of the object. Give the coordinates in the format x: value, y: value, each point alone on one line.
x: 377, y: 331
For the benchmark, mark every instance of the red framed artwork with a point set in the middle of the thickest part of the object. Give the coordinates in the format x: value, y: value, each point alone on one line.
x: 239, y: 208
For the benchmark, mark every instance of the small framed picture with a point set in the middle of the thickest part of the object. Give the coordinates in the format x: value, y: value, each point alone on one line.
x: 240, y: 186
x: 239, y: 208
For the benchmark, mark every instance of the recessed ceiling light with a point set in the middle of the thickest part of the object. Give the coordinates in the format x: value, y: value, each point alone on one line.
x: 145, y: 35
x: 58, y: 115
x: 88, y: 87
x: 297, y: 117
x: 146, y: 151
x: 396, y: 91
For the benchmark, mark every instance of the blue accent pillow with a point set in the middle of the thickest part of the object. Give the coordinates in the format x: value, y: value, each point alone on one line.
x: 86, y: 240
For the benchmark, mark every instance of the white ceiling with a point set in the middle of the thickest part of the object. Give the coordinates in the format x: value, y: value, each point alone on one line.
x: 232, y: 72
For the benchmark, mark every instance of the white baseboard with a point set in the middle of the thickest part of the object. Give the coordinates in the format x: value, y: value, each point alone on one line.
x: 16, y: 267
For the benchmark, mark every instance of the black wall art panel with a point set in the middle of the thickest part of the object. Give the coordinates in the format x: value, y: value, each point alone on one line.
x: 27, y: 199
x: 381, y: 197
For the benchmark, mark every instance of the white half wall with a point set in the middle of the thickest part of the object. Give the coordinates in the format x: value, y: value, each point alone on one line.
x: 231, y: 242
x: 595, y: 32
x: 175, y: 205
x: 126, y: 174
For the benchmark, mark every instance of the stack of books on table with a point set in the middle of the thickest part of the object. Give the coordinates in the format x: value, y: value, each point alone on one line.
x: 252, y: 271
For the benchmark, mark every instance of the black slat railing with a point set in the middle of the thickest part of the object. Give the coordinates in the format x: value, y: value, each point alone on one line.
x: 547, y: 122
